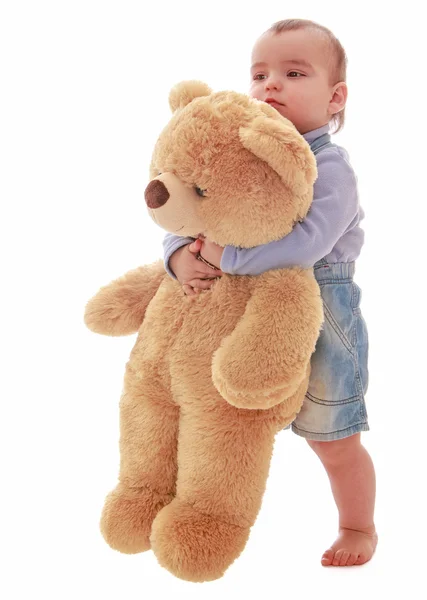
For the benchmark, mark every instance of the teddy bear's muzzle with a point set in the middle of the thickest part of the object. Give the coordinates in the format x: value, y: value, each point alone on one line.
x: 156, y: 194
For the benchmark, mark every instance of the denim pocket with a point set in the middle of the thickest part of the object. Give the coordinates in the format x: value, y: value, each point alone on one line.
x: 334, y: 364
x: 338, y: 308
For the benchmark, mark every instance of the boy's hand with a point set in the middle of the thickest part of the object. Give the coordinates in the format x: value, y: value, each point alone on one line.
x: 210, y: 251
x: 193, y: 274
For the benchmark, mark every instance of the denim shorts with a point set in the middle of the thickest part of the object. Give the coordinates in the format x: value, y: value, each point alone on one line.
x: 334, y: 406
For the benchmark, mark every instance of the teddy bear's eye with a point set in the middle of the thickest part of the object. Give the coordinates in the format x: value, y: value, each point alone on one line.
x: 200, y: 192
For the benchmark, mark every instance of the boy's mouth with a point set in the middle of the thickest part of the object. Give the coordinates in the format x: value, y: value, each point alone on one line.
x: 273, y: 101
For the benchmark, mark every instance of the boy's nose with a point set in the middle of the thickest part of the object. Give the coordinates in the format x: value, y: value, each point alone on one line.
x: 272, y: 84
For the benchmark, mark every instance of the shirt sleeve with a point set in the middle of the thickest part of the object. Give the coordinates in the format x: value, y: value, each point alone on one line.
x: 172, y: 243
x: 335, y: 205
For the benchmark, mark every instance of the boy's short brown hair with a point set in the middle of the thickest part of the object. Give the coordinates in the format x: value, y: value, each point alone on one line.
x: 338, y: 71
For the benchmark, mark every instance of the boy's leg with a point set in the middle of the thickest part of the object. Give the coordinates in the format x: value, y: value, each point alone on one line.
x: 352, y: 477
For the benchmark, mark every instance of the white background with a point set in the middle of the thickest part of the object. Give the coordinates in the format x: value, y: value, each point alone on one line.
x: 83, y: 96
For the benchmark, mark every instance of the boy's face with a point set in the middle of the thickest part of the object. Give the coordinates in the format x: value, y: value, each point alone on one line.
x: 291, y: 71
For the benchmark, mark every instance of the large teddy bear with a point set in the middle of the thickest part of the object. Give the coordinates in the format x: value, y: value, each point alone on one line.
x: 212, y: 378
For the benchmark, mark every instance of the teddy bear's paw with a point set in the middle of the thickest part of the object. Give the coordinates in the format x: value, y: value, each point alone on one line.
x: 128, y: 515
x: 195, y: 546
x: 244, y: 383
x: 253, y: 398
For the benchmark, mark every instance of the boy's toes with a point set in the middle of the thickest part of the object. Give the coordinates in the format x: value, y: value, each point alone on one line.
x: 337, y: 558
x: 352, y: 560
x: 327, y: 557
x: 344, y: 558
x: 361, y: 560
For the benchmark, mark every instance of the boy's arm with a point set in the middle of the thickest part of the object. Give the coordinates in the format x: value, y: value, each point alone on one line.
x: 172, y: 243
x: 334, y: 207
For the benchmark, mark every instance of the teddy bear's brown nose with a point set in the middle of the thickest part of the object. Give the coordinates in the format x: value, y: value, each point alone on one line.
x: 156, y: 194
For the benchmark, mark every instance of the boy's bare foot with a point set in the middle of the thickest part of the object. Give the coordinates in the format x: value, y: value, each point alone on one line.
x: 351, y: 548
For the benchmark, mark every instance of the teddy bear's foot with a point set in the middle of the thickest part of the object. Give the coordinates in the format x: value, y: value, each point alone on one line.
x: 195, y: 546
x: 128, y: 515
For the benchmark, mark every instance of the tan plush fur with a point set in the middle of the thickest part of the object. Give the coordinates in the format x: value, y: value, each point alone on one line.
x: 212, y: 378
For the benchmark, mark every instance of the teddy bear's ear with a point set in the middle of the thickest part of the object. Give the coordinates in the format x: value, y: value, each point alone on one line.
x: 186, y: 91
x: 277, y: 142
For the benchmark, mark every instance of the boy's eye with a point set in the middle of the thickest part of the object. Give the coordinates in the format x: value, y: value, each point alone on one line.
x: 259, y: 76
x: 295, y: 74
x: 200, y: 192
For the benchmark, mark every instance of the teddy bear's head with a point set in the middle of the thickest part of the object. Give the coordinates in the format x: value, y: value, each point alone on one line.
x: 228, y: 167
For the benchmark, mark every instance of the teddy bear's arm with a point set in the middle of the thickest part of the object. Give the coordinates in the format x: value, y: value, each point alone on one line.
x: 119, y: 307
x: 265, y: 359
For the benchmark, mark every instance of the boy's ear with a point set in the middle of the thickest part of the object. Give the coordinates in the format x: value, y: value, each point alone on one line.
x: 277, y: 142
x: 339, y: 98
x: 185, y: 92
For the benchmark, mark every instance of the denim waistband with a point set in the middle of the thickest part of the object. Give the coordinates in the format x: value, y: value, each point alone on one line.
x: 340, y: 270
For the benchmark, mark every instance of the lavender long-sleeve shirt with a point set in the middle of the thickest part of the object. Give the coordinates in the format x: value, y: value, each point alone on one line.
x: 330, y: 230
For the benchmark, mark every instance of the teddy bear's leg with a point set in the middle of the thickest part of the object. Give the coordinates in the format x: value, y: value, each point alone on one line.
x: 224, y: 456
x: 147, y: 480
